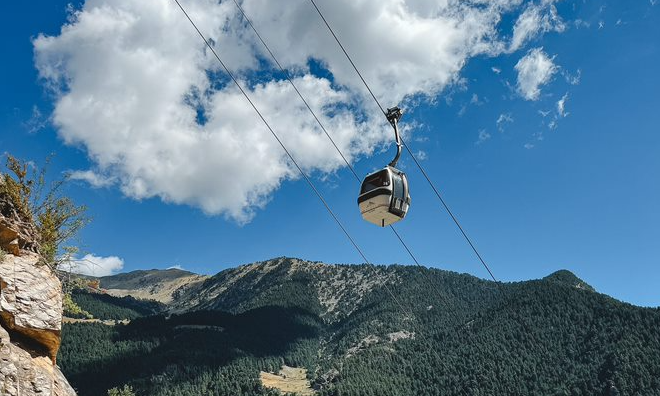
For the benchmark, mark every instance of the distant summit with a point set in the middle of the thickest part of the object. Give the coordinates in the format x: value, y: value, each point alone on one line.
x: 568, y: 278
x: 159, y: 285
x: 132, y: 279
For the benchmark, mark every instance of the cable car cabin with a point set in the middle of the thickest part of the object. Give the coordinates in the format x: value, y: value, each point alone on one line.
x: 384, y: 197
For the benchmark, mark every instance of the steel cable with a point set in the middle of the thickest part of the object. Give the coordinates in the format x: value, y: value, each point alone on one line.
x: 302, y: 173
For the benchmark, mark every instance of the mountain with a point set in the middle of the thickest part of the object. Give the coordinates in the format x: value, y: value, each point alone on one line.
x: 159, y: 285
x: 566, y: 277
x: 370, y: 330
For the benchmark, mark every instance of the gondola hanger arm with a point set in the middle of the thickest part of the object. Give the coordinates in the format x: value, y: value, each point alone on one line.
x: 393, y: 115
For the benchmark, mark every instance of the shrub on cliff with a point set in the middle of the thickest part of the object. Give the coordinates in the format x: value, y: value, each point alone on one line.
x: 30, y: 203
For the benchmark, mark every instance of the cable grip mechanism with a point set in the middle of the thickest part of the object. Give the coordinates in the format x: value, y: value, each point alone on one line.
x: 393, y: 115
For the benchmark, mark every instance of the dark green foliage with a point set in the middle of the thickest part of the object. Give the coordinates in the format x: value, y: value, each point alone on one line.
x: 192, y: 354
x: 104, y: 306
x: 568, y: 278
x: 296, y: 291
x: 471, y: 337
x: 125, y: 391
x: 536, y: 338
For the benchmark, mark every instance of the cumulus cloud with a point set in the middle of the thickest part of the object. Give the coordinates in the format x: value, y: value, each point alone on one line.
x: 94, y: 265
x: 137, y: 89
x: 534, y: 70
x: 536, y: 19
x: 92, y: 178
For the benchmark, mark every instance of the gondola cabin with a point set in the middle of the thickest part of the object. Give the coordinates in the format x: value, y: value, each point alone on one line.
x: 384, y: 197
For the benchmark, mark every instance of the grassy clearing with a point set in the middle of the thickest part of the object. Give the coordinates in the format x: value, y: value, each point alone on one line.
x: 288, y: 380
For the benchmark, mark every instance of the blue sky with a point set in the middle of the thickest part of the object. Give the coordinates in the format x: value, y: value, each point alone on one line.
x: 547, y: 187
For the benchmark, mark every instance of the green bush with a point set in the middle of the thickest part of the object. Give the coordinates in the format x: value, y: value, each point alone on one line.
x: 56, y: 218
x: 73, y: 310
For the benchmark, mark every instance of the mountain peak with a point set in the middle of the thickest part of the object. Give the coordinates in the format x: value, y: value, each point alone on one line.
x: 154, y: 284
x: 568, y: 278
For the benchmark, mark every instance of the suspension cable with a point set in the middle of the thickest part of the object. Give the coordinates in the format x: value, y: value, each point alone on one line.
x: 451, y: 214
x: 287, y: 75
x: 302, y: 173
x: 347, y: 56
x: 348, y: 164
x: 437, y: 192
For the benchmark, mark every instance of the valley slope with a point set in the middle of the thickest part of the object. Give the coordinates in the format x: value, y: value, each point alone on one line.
x: 367, y: 330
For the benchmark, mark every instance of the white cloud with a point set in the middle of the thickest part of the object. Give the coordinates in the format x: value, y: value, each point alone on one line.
x: 483, y: 136
x: 132, y: 80
x: 462, y: 111
x: 502, y: 120
x: 496, y: 70
x: 573, y: 79
x: 403, y: 47
x: 36, y: 122
x: 178, y: 267
x: 528, y: 146
x: 421, y: 155
x: 579, y: 23
x: 538, y: 135
x: 94, y: 265
x: 94, y: 179
x: 536, y: 19
x: 561, y: 106
x: 559, y: 113
x: 534, y: 70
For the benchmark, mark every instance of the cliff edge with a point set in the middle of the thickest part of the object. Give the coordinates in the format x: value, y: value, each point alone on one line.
x: 30, y: 314
x: 30, y: 328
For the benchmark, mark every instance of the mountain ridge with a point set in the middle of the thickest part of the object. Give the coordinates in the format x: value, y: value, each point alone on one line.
x: 135, y: 283
x: 386, y: 330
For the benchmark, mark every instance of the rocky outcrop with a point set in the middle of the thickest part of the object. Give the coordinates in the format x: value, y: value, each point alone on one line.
x: 22, y: 374
x: 16, y: 231
x: 31, y: 323
x: 31, y: 301
x: 8, y: 237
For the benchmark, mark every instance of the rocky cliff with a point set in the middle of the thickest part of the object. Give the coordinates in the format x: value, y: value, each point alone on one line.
x: 30, y: 327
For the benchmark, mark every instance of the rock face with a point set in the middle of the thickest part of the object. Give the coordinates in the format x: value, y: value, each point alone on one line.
x: 22, y: 374
x: 16, y: 234
x: 31, y: 322
x: 8, y: 237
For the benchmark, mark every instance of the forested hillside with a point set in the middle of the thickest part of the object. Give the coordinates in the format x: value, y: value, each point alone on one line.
x: 106, y: 307
x: 445, y: 334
